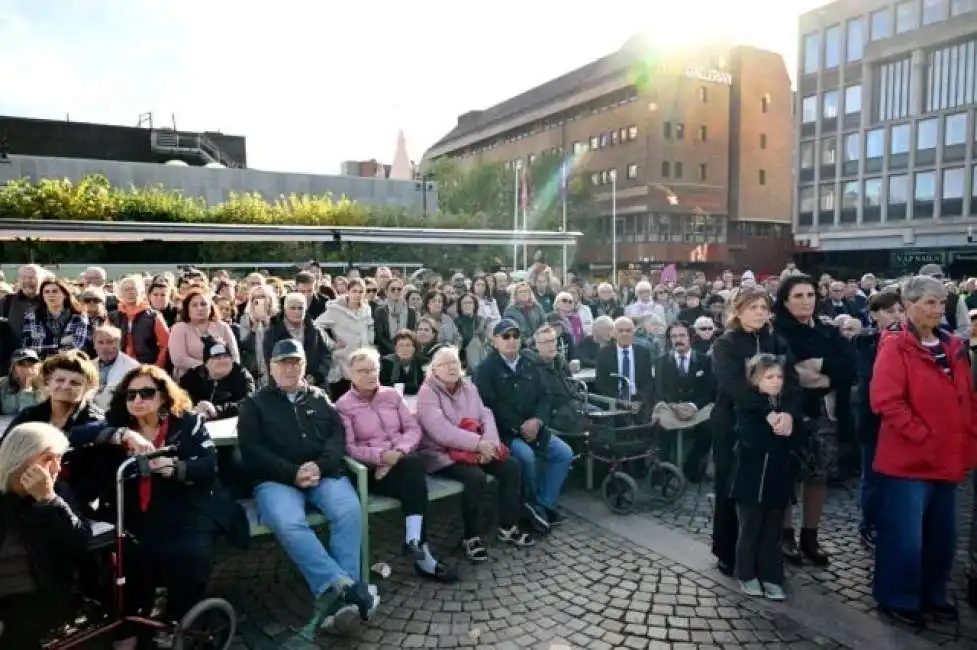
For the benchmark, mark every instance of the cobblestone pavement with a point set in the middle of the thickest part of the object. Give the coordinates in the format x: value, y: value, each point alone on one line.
x: 580, y: 588
x: 849, y: 576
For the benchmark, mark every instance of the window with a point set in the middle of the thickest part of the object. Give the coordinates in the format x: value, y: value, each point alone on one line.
x: 703, y: 94
x: 677, y: 168
x: 614, y: 137
x: 807, y: 155
x: 973, y: 184
x: 829, y: 152
x: 956, y: 130
x: 805, y: 201
x: 872, y: 200
x: 763, y: 140
x: 924, y: 192
x: 812, y: 52
x: 595, y: 179
x: 949, y: 79
x: 934, y: 11
x: 604, y: 178
x: 856, y: 40
x: 594, y: 143
x: 679, y: 131
x: 899, y: 139
x: 892, y: 89
x: 827, y: 199
x: 832, y: 47
x: 853, y: 99
x: 898, y: 197
x: 809, y: 109
x: 850, y: 198
x: 703, y: 133
x: 958, y: 7
x: 703, y: 172
x: 667, y: 130
x: 853, y: 151
x: 632, y: 171
x: 763, y: 176
x: 632, y: 133
x: 532, y: 159
x: 951, y: 203
x: 907, y: 16
x: 829, y: 108
x: 603, y: 140
x: 881, y: 24
x: 926, y: 133
x: 666, y: 169
x: 765, y: 103
x: 874, y: 143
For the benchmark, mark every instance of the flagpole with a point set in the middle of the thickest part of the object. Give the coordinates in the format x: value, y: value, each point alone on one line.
x: 515, y: 220
x: 614, y: 227
x: 525, y: 215
x: 566, y: 190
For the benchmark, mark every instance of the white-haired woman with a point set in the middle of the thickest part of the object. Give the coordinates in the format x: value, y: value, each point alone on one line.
x: 260, y: 307
x: 461, y: 442
x: 579, y: 322
x: 525, y: 309
x: 644, y: 304
x: 293, y: 322
x: 43, y: 534
x: 145, y: 334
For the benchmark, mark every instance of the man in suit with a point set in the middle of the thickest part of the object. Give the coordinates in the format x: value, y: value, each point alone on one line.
x: 685, y: 391
x: 624, y: 359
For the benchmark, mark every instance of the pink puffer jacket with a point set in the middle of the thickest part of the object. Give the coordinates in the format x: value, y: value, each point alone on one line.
x: 440, y: 413
x: 379, y: 423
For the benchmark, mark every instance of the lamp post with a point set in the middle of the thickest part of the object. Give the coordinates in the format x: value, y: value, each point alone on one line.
x: 515, y: 214
x: 613, y: 175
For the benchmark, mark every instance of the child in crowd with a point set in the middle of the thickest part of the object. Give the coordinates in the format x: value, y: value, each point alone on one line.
x: 762, y: 481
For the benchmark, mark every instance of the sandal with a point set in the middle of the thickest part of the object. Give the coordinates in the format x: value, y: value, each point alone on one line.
x: 474, y: 549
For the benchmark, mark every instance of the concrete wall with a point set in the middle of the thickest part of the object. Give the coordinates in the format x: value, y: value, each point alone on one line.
x: 215, y: 185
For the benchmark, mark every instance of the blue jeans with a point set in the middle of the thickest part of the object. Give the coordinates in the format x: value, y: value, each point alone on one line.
x: 543, y: 487
x: 869, y: 490
x: 916, y: 538
x: 282, y: 508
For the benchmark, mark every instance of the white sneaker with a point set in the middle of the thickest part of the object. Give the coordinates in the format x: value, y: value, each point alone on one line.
x: 752, y: 588
x: 774, y: 592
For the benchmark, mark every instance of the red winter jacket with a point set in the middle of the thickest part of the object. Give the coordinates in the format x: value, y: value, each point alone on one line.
x: 929, y: 419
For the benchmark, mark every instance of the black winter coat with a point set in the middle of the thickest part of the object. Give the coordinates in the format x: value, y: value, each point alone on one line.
x: 225, y: 393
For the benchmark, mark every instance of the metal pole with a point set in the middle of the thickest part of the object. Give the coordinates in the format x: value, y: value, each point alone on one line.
x: 566, y: 274
x: 614, y: 229
x: 515, y: 219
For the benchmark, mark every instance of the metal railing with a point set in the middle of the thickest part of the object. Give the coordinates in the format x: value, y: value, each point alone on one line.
x: 176, y: 142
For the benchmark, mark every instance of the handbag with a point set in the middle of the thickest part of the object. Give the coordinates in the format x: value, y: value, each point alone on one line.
x: 466, y: 457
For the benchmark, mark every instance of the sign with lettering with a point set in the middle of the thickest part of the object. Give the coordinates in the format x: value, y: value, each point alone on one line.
x: 914, y: 259
x: 713, y: 76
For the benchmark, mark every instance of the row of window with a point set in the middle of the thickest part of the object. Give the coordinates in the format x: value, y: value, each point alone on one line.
x: 609, y: 176
x: 678, y: 228
x: 901, y: 190
x: 606, y: 139
x: 823, y: 50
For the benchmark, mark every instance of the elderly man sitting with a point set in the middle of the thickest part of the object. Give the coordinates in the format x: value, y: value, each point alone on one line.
x: 292, y: 441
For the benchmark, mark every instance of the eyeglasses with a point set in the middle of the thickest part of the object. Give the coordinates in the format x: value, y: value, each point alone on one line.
x: 144, y: 393
x: 93, y: 301
x: 508, y: 336
x: 394, y: 289
x: 546, y: 342
x: 705, y: 329
x: 371, y: 290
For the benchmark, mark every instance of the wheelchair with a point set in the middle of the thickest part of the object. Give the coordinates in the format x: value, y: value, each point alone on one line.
x: 209, y: 625
x: 629, y: 449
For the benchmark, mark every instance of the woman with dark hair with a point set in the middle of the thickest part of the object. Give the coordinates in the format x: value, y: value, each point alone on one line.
x: 748, y: 333
x: 474, y: 344
x: 825, y: 364
x: 58, y: 323
x: 21, y: 388
x: 433, y: 306
x: 198, y: 319
x: 406, y: 364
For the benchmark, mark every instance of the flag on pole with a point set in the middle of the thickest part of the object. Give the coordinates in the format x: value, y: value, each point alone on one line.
x: 565, y: 177
x: 525, y: 190
x: 669, y: 274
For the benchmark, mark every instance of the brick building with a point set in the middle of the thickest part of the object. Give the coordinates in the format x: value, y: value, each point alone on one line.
x: 695, y: 149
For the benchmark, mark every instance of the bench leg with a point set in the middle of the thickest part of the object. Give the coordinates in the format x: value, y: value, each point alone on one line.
x: 363, y: 491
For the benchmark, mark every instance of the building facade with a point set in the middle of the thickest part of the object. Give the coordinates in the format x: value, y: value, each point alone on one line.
x: 885, y: 125
x: 692, y: 153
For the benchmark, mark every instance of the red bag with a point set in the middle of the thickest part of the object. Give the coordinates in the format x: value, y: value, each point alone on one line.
x: 466, y: 457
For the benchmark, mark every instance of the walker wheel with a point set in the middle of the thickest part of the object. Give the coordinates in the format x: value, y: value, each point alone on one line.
x: 620, y: 492
x: 209, y: 625
x: 666, y: 482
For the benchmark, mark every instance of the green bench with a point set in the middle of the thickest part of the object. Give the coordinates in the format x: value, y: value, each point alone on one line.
x: 370, y: 504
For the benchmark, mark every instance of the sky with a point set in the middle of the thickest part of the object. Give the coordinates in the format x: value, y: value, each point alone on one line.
x: 312, y: 83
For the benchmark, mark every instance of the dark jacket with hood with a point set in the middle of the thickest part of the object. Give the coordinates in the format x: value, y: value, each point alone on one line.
x: 513, y: 396
x: 318, y: 358
x: 225, y: 393
x: 564, y: 394
x: 394, y: 371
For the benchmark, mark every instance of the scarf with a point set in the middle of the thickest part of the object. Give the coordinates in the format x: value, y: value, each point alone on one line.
x: 397, y: 315
x: 146, y: 484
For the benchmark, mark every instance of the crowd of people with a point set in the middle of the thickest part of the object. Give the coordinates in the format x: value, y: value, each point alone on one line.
x: 784, y: 383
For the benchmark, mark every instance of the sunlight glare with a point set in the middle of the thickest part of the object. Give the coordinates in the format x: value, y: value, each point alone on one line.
x: 689, y: 24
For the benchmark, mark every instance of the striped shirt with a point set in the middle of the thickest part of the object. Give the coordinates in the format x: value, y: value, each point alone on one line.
x: 936, y: 349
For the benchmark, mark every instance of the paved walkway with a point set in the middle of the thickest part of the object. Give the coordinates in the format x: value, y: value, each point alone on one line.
x: 584, y: 587
x: 848, y: 578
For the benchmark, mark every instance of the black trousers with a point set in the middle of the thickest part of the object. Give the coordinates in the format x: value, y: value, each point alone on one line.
x: 725, y: 527
x: 26, y: 620
x: 475, y: 480
x: 406, y: 482
x: 758, y: 551
x: 694, y: 462
x: 180, y: 562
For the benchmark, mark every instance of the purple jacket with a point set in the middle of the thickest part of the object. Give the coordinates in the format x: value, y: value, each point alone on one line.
x: 377, y: 424
x: 440, y: 413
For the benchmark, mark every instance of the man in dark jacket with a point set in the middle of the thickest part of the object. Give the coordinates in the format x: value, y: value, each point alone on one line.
x: 25, y: 299
x: 292, y: 442
x: 566, y: 401
x: 220, y: 384
x: 511, y: 386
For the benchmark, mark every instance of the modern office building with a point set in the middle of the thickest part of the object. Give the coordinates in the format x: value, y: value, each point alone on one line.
x: 699, y: 145
x: 885, y: 152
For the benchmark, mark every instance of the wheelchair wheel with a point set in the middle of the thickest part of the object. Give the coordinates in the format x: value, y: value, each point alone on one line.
x: 209, y: 625
x: 666, y: 482
x: 620, y: 493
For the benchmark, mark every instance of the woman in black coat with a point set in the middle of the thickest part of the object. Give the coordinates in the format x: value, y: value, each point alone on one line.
x: 748, y: 333
x: 406, y: 365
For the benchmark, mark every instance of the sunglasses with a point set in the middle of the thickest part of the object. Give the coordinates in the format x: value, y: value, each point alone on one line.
x: 371, y: 290
x: 144, y: 393
x: 705, y: 329
x: 92, y: 301
x: 508, y: 336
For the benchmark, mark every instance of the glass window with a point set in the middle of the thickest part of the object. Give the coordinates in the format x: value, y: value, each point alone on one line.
x: 872, y: 194
x: 898, y: 189
x: 926, y: 133
x: 632, y: 171
x: 807, y: 155
x: 934, y: 11
x: 874, y: 143
x: 594, y: 143
x: 956, y: 129
x: 829, y: 151
x: 666, y: 169
x: 703, y: 172
x: 678, y: 170
x: 812, y: 52
x: 853, y: 99
x: 881, y: 22
x: 850, y: 196
x: 806, y: 199
x: 907, y: 16
x: 680, y: 131
x: 856, y: 40
x: 958, y: 7
x: 632, y: 133
x: 953, y: 182
x: 830, y: 107
x: 925, y: 189
x: 832, y: 46
x: 762, y: 176
x: 899, y: 139
x: 827, y: 199
x: 973, y: 183
x: 809, y: 109
x: 852, y: 148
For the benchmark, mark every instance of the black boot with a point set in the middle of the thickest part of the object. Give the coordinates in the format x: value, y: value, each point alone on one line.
x: 789, y: 546
x: 972, y: 591
x: 811, y: 548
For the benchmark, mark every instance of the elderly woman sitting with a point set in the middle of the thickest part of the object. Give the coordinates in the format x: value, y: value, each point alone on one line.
x: 922, y: 391
x: 382, y: 433
x: 43, y: 534
x: 462, y: 443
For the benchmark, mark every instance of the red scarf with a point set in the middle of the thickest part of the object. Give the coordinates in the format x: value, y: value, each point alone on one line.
x: 146, y: 484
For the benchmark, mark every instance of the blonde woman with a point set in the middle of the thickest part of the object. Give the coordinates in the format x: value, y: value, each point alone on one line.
x: 255, y: 323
